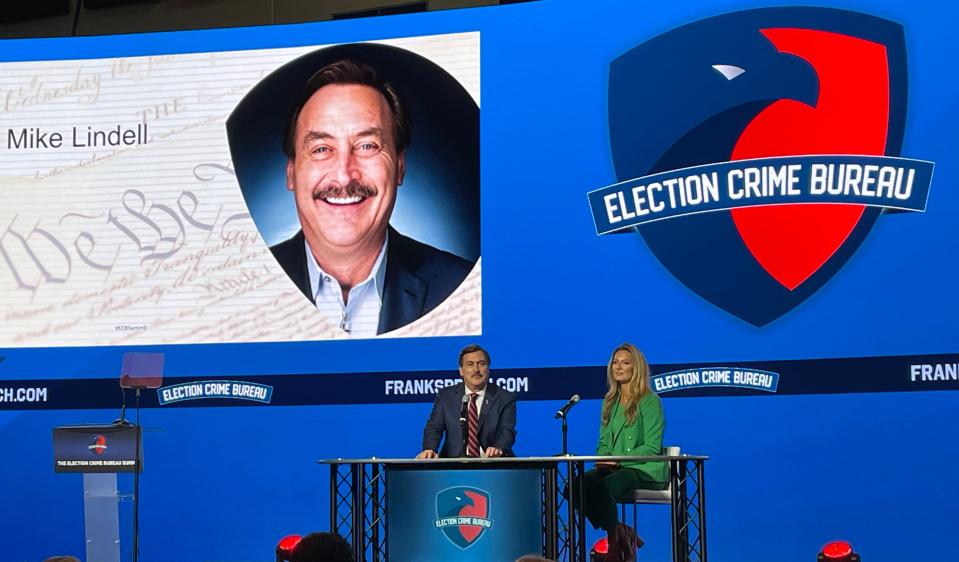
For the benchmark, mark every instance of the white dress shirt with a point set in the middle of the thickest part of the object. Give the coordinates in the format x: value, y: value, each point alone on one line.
x: 479, y: 399
x: 359, y: 316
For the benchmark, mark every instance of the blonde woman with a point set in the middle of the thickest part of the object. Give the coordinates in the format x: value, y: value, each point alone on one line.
x: 631, y: 424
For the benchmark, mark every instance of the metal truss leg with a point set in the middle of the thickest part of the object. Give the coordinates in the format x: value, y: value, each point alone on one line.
x: 679, y: 507
x: 563, y: 487
x: 701, y: 494
x: 342, y: 506
x: 573, y: 529
x: 334, y: 497
x: 550, y: 535
x: 359, y: 512
x: 684, y: 512
x: 581, y: 484
x: 377, y: 516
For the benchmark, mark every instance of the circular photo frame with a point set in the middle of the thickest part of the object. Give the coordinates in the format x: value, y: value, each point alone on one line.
x: 437, y: 205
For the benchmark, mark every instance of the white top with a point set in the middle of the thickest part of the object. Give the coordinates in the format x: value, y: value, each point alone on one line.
x: 359, y: 316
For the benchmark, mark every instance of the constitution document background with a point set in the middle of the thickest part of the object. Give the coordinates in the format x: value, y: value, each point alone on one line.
x: 151, y: 242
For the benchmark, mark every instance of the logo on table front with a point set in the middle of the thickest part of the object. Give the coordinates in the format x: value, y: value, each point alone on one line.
x: 462, y: 514
x: 755, y: 151
x: 98, y: 444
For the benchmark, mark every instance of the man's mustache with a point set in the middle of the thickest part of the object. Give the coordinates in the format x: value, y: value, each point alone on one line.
x: 352, y: 189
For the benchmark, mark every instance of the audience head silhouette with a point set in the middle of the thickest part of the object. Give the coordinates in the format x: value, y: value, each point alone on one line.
x: 322, y: 547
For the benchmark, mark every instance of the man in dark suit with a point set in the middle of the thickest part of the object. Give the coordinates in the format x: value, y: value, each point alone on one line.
x: 489, y: 411
x: 346, y: 157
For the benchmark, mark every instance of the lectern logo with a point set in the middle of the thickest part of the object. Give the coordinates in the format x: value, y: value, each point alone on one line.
x: 462, y: 513
x: 757, y: 193
x: 98, y: 444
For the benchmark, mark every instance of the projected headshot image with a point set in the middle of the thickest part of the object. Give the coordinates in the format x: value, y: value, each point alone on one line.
x: 360, y: 166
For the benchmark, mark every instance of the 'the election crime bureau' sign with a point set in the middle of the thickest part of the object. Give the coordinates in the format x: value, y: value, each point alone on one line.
x: 235, y: 390
x: 739, y: 377
x: 881, y: 181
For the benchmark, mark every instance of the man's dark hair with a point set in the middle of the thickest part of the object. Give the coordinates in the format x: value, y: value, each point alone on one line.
x: 470, y: 349
x: 322, y: 547
x: 347, y: 72
x: 64, y: 558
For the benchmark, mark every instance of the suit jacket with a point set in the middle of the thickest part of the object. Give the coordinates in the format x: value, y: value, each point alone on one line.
x: 418, y: 276
x: 643, y: 437
x: 497, y: 421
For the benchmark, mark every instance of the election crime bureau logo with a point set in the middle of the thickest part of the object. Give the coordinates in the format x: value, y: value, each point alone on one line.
x: 98, y: 444
x: 463, y: 514
x: 755, y: 151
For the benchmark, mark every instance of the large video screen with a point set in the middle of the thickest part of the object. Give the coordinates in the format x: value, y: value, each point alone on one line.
x: 132, y: 216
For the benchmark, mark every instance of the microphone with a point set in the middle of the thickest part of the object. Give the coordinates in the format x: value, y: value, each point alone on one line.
x: 463, y: 423
x: 572, y: 402
x: 466, y: 401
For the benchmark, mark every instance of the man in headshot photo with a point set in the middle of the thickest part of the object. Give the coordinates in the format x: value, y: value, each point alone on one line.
x: 489, y: 411
x: 346, y: 147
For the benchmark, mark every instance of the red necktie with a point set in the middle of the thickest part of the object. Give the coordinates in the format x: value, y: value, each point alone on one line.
x: 472, y: 431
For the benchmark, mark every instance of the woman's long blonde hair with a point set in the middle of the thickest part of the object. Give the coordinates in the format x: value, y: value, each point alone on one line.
x: 638, y: 385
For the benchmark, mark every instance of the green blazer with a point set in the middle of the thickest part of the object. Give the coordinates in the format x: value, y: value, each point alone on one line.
x: 643, y: 437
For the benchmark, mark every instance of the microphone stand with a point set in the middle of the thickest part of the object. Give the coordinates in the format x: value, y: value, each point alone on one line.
x: 463, y: 427
x: 136, y: 486
x: 564, y: 413
x: 565, y: 430
x: 122, y: 420
x: 138, y: 436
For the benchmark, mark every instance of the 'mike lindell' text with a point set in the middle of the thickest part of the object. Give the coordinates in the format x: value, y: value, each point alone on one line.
x: 35, y: 138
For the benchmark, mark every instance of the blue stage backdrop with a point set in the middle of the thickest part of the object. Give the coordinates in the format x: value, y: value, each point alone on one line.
x: 761, y: 197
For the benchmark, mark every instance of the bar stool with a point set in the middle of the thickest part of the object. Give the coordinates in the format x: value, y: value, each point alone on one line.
x: 646, y: 496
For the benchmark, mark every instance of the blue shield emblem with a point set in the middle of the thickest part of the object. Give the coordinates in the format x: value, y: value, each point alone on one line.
x: 759, y: 83
x: 462, y: 514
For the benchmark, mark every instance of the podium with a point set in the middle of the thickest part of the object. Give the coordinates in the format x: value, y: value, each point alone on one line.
x: 99, y: 452
x: 468, y: 509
